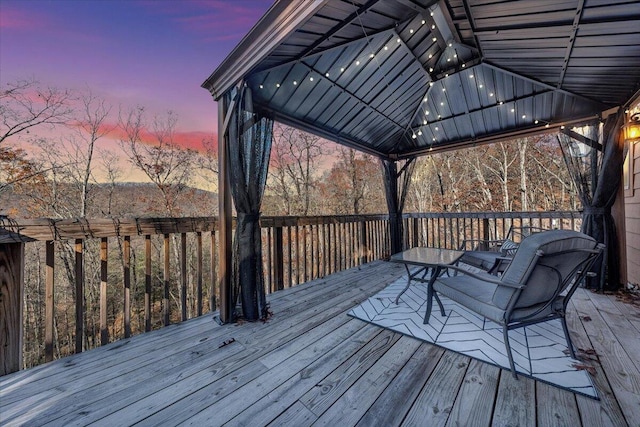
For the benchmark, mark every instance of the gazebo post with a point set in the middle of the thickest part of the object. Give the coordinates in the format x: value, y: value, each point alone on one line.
x: 396, y: 193
x: 225, y: 217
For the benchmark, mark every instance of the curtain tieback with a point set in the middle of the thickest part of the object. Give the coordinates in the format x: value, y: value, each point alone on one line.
x: 595, y: 211
x: 247, y: 217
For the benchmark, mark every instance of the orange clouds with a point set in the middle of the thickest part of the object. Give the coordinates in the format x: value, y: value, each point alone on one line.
x: 193, y: 140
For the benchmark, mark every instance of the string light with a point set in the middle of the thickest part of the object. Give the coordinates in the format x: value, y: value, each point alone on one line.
x: 398, y: 40
x: 424, y: 22
x: 547, y: 125
x: 277, y: 84
x: 471, y: 76
x: 261, y: 87
x: 310, y: 79
x: 327, y: 74
x: 411, y: 31
x: 295, y: 83
x: 419, y: 132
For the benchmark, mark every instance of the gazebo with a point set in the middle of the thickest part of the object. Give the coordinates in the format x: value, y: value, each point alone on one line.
x: 404, y: 78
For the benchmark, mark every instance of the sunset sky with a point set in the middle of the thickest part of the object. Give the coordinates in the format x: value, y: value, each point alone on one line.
x: 151, y: 53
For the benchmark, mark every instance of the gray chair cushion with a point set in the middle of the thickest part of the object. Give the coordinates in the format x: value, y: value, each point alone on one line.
x: 472, y: 293
x: 541, y: 285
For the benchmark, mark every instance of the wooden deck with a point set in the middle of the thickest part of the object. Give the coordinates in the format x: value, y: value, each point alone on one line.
x: 313, y: 364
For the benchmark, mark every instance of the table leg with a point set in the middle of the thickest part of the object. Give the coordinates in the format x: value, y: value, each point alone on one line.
x: 436, y: 271
x: 410, y: 277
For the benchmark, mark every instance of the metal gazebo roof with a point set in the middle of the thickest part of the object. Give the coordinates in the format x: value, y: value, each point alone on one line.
x: 398, y: 78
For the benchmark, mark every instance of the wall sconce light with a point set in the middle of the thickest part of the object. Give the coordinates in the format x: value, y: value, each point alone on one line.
x: 632, y: 127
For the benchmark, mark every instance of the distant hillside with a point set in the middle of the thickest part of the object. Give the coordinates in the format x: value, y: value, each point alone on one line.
x: 119, y: 200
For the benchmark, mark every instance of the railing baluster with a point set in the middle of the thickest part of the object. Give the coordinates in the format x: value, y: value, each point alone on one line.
x: 127, y: 285
x: 147, y: 283
x: 199, y: 257
x: 49, y: 300
x: 166, y: 279
x: 214, y: 273
x: 183, y: 276
x: 79, y: 295
x: 104, y: 327
x: 278, y: 260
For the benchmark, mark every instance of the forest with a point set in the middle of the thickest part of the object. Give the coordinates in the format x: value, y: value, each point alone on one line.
x: 68, y: 154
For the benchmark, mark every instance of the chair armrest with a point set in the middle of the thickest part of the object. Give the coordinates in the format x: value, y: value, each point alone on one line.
x: 484, y: 277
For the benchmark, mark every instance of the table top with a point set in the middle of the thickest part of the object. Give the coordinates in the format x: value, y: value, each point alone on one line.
x: 427, y: 256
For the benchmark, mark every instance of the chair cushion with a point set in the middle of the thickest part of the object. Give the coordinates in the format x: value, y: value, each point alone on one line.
x: 472, y: 293
x: 508, y: 247
x: 542, y: 285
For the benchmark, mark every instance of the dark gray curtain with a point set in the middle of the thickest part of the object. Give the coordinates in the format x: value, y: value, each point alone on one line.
x: 396, y: 185
x: 597, y: 177
x: 250, y: 138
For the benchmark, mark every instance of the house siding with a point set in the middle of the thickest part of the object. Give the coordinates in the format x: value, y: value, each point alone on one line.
x: 632, y: 215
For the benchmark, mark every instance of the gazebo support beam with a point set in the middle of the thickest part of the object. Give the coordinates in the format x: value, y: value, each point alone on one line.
x: 225, y: 216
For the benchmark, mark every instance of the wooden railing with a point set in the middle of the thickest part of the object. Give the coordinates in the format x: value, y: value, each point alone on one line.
x: 111, y: 279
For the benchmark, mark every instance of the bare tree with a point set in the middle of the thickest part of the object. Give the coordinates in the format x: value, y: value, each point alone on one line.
x: 156, y: 153
x: 354, y: 184
x: 500, y: 160
x: 90, y: 126
x: 294, y: 165
x: 24, y: 104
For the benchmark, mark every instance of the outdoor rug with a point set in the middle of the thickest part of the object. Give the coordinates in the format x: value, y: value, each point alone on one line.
x: 538, y: 350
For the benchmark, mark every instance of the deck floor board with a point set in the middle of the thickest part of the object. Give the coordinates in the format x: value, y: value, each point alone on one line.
x: 312, y: 364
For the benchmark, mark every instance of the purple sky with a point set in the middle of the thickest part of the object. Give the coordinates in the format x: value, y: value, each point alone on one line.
x: 153, y: 53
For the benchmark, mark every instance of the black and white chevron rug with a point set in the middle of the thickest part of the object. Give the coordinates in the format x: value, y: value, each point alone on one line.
x: 538, y: 350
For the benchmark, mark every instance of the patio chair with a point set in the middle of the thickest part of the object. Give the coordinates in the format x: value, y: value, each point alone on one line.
x: 536, y: 286
x: 494, y: 256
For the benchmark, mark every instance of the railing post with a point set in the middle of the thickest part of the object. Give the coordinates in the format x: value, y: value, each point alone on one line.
x: 278, y: 259
x: 104, y: 327
x: 147, y: 283
x: 183, y: 275
x: 127, y: 286
x: 79, y: 295
x: 48, y: 300
x: 11, y: 301
x: 485, y: 231
x: 166, y: 277
x: 363, y: 242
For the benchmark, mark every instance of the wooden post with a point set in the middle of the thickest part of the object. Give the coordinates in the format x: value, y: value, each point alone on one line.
x: 48, y: 301
x: 147, y: 283
x: 199, y: 273
x: 278, y: 259
x: 79, y: 295
x: 166, y: 279
x: 224, y: 212
x: 104, y: 327
x: 11, y: 300
x: 183, y: 275
x: 127, y: 286
x: 363, y: 242
x: 485, y: 232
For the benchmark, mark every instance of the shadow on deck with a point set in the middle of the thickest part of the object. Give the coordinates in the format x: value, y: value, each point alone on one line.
x: 311, y: 363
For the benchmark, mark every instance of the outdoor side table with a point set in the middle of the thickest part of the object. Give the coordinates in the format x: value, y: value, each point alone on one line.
x: 434, y: 260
